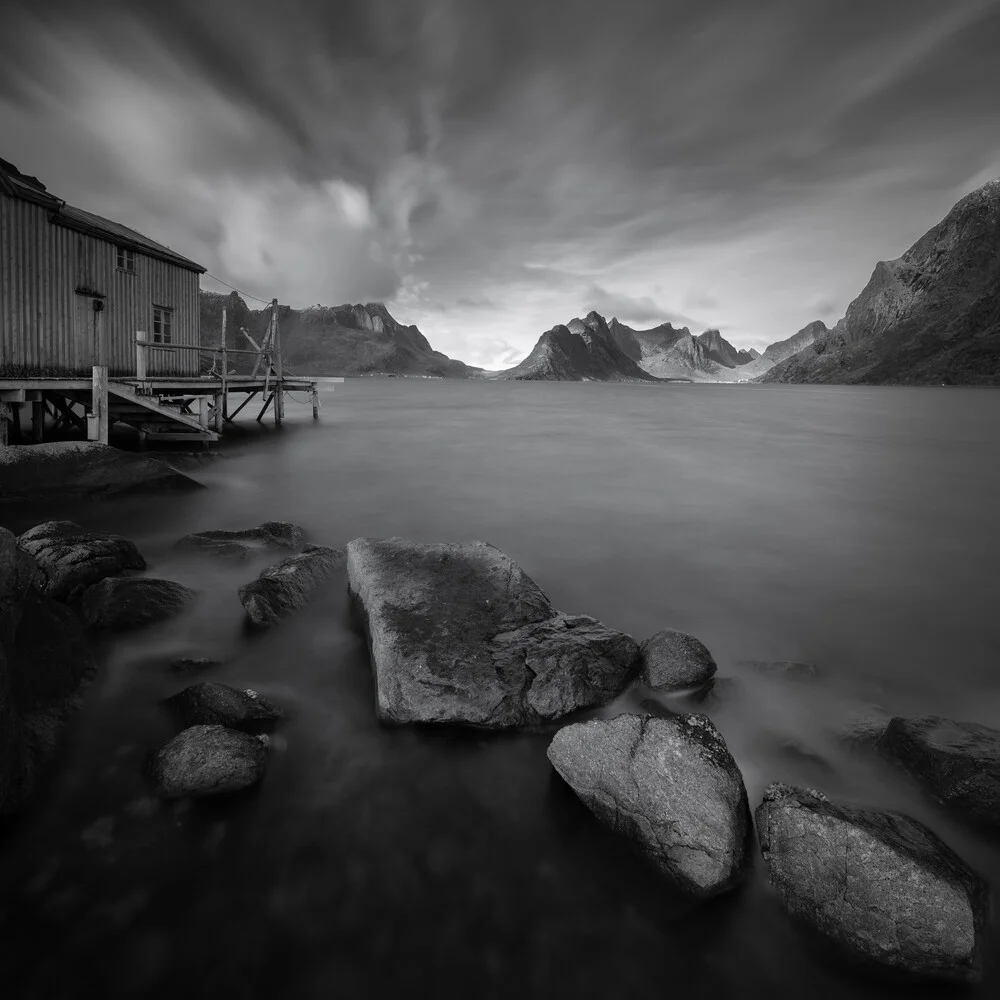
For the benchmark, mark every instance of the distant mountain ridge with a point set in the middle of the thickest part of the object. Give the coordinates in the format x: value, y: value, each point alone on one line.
x: 927, y: 317
x: 332, y: 340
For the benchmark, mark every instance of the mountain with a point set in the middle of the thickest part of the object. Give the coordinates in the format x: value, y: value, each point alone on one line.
x: 931, y: 316
x: 582, y: 350
x: 786, y: 348
x: 638, y: 344
x: 331, y: 340
x: 719, y: 350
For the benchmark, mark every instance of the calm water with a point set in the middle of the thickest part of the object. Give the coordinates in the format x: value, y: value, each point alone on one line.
x: 850, y: 527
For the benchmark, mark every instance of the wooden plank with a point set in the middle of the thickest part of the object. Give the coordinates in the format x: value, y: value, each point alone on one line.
x: 4, y: 417
x: 12, y: 395
x: 263, y: 409
x: 38, y: 421
x: 141, y: 356
x: 314, y: 396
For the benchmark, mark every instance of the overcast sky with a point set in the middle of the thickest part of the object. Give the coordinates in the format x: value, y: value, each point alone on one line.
x: 490, y: 169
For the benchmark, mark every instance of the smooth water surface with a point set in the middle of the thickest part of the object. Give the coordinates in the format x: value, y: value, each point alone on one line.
x: 855, y: 528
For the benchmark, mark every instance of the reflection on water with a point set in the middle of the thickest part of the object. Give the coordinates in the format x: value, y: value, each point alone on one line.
x: 851, y: 528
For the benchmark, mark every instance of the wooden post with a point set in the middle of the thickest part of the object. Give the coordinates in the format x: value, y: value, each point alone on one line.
x: 142, y: 439
x: 203, y: 412
x: 4, y: 415
x: 141, y: 356
x: 38, y: 421
x: 99, y: 391
x: 217, y: 412
x: 221, y: 406
x: 279, y: 398
x: 314, y: 395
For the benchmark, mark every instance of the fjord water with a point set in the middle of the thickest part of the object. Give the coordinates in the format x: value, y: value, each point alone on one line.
x: 854, y: 528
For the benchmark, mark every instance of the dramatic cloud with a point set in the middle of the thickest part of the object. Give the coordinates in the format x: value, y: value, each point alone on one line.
x: 491, y: 169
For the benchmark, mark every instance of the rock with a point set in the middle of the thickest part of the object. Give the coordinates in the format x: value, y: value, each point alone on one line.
x: 208, y: 760
x: 458, y: 633
x: 671, y: 660
x: 71, y: 558
x: 289, y: 585
x: 863, y: 728
x: 957, y: 763
x: 669, y: 785
x: 44, y: 658
x: 783, y: 669
x: 239, y: 545
x: 131, y: 602
x: 210, y: 703
x: 62, y: 468
x: 193, y: 664
x: 879, y: 884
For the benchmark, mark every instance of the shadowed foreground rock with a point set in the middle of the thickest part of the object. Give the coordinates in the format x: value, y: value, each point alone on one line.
x: 211, y: 703
x: 880, y: 884
x: 208, y: 760
x: 71, y: 558
x: 288, y: 586
x: 669, y: 785
x: 672, y: 660
x: 44, y: 657
x: 458, y: 633
x: 131, y: 602
x: 957, y: 763
x: 240, y: 545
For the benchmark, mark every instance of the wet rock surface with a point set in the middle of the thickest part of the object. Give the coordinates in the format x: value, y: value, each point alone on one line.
x: 672, y: 660
x: 669, y: 785
x: 193, y: 664
x: 208, y: 760
x: 956, y: 763
x: 288, y: 586
x: 880, y: 884
x: 131, y: 602
x: 458, y: 633
x: 71, y: 558
x: 211, y: 703
x: 239, y: 545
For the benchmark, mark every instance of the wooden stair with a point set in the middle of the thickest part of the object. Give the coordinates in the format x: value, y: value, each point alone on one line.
x: 157, y: 419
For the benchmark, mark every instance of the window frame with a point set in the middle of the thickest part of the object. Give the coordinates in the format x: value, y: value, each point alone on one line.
x: 124, y: 257
x: 163, y: 317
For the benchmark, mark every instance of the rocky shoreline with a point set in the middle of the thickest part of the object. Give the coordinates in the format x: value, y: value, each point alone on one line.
x: 459, y: 635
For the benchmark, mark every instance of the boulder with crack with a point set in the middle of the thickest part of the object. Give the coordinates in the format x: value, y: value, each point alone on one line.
x: 458, y: 633
x: 880, y: 884
x: 669, y: 785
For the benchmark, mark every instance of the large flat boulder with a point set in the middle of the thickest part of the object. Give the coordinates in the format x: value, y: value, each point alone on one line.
x: 208, y: 760
x: 239, y: 545
x: 60, y: 468
x: 956, y: 763
x: 458, y: 633
x: 289, y: 585
x: 128, y: 602
x: 71, y: 558
x: 670, y: 785
x: 879, y: 884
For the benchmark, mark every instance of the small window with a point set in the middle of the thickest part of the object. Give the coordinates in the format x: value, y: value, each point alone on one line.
x: 125, y: 259
x: 163, y: 321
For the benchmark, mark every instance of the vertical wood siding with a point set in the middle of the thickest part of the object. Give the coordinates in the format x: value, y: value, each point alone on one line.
x: 45, y: 329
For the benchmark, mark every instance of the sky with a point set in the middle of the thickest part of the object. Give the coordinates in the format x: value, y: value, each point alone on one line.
x: 491, y: 169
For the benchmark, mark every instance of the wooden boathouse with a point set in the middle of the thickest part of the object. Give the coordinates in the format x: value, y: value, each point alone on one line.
x: 100, y: 324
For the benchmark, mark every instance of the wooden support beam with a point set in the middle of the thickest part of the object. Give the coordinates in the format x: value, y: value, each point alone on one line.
x: 99, y: 406
x: 203, y: 412
x: 4, y: 417
x: 218, y: 411
x: 314, y: 396
x: 12, y: 395
x: 38, y: 421
x: 141, y: 355
x: 67, y: 414
x: 244, y: 403
x: 263, y: 409
x: 279, y: 399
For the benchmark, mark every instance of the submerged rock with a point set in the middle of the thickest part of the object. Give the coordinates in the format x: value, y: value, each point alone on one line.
x: 783, y: 669
x: 670, y: 785
x: 458, y: 633
x: 208, y: 760
x: 131, y: 602
x: 193, y: 664
x: 864, y: 727
x: 71, y: 558
x: 880, y: 884
x: 671, y: 660
x: 211, y: 703
x: 240, y: 544
x: 957, y: 763
x: 289, y: 585
x: 721, y: 690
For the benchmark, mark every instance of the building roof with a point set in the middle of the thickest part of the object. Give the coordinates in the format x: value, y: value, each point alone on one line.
x: 18, y: 185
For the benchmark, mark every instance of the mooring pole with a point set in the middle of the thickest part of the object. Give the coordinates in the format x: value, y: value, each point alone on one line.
x: 314, y: 394
x: 279, y: 399
x: 225, y: 375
